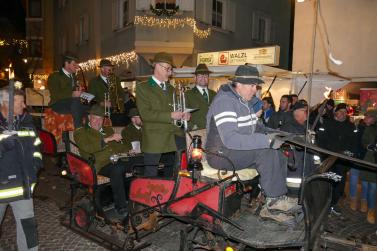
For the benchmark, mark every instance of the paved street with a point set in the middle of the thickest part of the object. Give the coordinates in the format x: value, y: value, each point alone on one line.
x: 52, y: 194
x: 50, y: 197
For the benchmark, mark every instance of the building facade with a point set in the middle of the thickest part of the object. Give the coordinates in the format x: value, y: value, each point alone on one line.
x: 130, y: 32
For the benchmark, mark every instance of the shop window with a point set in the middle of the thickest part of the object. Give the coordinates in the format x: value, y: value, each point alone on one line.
x: 35, y: 8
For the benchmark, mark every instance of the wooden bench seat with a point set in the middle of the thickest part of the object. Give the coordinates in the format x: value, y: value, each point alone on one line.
x: 213, y: 173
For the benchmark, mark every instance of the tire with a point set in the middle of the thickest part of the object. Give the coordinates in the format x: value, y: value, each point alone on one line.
x: 83, y: 214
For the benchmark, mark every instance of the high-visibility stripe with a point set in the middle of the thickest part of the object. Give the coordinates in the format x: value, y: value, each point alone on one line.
x: 26, y: 133
x: 13, y: 192
x: 37, y: 142
x: 37, y: 155
x: 4, y: 136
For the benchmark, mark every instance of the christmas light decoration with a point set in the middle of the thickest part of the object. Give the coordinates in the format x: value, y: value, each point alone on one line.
x: 174, y: 23
x: 122, y: 58
x: 20, y: 42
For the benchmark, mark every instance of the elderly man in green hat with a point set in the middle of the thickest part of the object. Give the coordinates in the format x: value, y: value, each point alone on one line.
x: 64, y: 92
x: 200, y: 97
x: 107, y: 83
x: 154, y: 99
x: 102, y: 142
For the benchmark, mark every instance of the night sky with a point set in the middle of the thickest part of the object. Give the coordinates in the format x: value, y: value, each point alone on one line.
x: 14, y: 12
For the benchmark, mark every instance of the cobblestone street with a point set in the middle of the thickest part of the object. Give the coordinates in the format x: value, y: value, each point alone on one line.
x: 51, y: 196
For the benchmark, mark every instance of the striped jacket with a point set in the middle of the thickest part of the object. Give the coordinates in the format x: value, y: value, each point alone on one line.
x: 232, y: 123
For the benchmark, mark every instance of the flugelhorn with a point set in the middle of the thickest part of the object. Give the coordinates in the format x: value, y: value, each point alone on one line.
x: 179, y: 105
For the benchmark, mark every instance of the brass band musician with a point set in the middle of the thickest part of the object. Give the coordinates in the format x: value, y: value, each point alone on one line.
x: 65, y: 94
x: 108, y: 92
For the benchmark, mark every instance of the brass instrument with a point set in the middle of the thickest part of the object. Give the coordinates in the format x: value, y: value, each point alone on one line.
x: 179, y: 105
x: 117, y: 102
x: 116, y: 157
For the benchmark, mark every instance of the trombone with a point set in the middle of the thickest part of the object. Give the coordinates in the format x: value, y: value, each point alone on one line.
x: 179, y: 105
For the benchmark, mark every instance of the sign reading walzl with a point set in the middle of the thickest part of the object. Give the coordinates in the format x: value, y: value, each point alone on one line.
x: 264, y: 55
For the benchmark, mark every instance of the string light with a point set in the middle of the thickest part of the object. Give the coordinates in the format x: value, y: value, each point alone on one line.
x: 20, y: 42
x: 40, y: 77
x: 174, y: 23
x: 122, y: 58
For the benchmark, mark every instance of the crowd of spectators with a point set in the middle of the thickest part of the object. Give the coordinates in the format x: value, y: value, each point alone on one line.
x: 337, y: 132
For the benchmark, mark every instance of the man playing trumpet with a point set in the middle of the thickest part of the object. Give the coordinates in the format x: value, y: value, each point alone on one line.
x: 106, y: 83
x: 155, y: 103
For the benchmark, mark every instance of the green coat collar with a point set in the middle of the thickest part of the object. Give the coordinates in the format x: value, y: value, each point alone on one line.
x: 151, y: 82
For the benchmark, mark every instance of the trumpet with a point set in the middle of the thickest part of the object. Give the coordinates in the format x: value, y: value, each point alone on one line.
x: 107, y: 107
x: 179, y: 105
x: 116, y: 157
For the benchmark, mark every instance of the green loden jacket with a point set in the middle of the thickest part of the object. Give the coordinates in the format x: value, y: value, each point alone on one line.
x: 98, y: 87
x: 369, y: 137
x: 155, y: 107
x: 131, y: 133
x: 60, y: 86
x: 194, y: 99
x: 90, y: 141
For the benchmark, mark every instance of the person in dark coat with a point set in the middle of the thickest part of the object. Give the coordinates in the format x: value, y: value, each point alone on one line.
x: 298, y: 125
x: 338, y: 135
x: 283, y: 115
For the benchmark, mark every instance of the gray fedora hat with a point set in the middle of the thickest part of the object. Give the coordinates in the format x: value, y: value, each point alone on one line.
x: 247, y: 74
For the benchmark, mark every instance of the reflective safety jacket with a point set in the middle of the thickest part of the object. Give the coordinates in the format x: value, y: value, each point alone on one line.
x: 20, y: 159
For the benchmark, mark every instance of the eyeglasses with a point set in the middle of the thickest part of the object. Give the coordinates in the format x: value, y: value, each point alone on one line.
x: 168, y: 69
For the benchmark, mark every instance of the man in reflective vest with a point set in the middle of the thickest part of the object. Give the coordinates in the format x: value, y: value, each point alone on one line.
x: 20, y: 161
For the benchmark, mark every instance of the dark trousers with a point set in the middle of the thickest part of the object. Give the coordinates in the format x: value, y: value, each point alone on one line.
x: 169, y: 159
x: 270, y: 164
x: 72, y: 106
x: 153, y: 160
x: 338, y: 187
x: 116, y: 173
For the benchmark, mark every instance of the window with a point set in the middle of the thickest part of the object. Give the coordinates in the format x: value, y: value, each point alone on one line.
x: 121, y: 14
x: 125, y: 13
x: 263, y: 29
x: 165, y: 4
x: 35, y: 8
x: 217, y: 13
x: 82, y: 30
x: 62, y: 3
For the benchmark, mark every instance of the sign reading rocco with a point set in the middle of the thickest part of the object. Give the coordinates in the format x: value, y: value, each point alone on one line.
x: 264, y: 55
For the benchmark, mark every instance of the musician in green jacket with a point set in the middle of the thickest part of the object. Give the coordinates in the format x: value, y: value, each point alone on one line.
x: 154, y: 99
x: 199, y: 97
x: 100, y: 142
x: 107, y: 82
x: 131, y: 134
x: 65, y: 92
